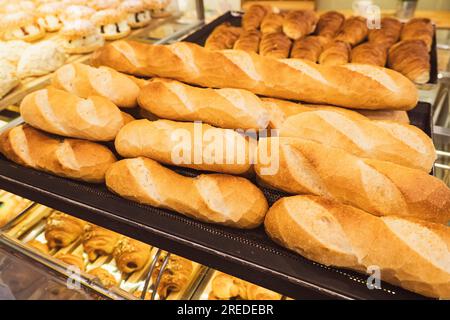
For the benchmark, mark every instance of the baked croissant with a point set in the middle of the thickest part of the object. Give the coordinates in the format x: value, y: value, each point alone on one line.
x: 104, y: 277
x: 411, y: 58
x: 62, y: 229
x: 39, y: 246
x: 248, y: 41
x: 299, y: 23
x: 369, y: 53
x: 308, y: 48
x: 388, y: 34
x: 419, y: 29
x: 175, y: 276
x: 335, y: 53
x: 252, y: 18
x: 272, y: 22
x: 72, y: 260
x: 354, y: 31
x: 131, y: 255
x: 275, y: 45
x: 330, y: 23
x: 223, y: 37
x: 98, y: 241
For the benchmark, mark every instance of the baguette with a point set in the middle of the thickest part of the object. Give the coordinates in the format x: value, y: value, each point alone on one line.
x: 71, y: 158
x: 382, y: 188
x: 186, y: 144
x: 85, y: 81
x: 60, y: 112
x: 224, y: 108
x: 410, y: 253
x: 391, y: 115
x: 352, y: 86
x: 213, y: 198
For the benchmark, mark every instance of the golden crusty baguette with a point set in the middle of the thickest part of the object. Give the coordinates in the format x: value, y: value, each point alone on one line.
x: 352, y: 86
x: 382, y: 188
x: 213, y: 198
x: 410, y: 253
x: 224, y: 108
x: 71, y: 158
x: 391, y: 115
x: 187, y: 144
x: 86, y: 81
x: 57, y: 111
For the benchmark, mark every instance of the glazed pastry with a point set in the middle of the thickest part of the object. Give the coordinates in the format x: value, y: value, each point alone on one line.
x: 160, y: 8
x: 98, y: 241
x: 8, y: 77
x: 39, y: 246
x: 223, y: 37
x: 175, y: 276
x: 131, y: 255
x: 48, y: 16
x: 309, y: 48
x: 330, y: 23
x: 275, y: 45
x: 272, y: 22
x: 388, y: 34
x: 104, y: 277
x: 138, y: 13
x: 80, y: 36
x: 299, y: 23
x: 335, y: 53
x: 72, y: 260
x: 248, y: 41
x: 369, y: 53
x: 12, y: 50
x: 21, y: 26
x: 419, y: 29
x: 41, y: 58
x: 62, y: 229
x: 111, y: 23
x: 254, y: 16
x: 75, y: 12
x: 354, y: 31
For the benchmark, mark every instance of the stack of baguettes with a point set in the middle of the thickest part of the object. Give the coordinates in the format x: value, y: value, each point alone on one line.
x: 368, y: 198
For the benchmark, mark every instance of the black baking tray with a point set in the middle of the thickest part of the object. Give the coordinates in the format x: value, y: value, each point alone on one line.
x: 234, y: 18
x: 248, y: 254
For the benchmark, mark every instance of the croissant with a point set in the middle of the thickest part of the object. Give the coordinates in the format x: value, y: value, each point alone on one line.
x: 223, y: 37
x: 248, y: 41
x: 411, y: 58
x: 275, y: 45
x: 62, y: 229
x: 39, y: 246
x: 419, y: 29
x: 72, y: 260
x: 98, y: 241
x: 388, y: 34
x: 175, y: 276
x: 330, y: 23
x: 131, y: 255
x: 308, y: 48
x: 225, y: 287
x: 272, y: 22
x: 369, y: 53
x: 335, y: 53
x: 252, y: 18
x: 299, y: 23
x: 354, y: 31
x: 104, y: 277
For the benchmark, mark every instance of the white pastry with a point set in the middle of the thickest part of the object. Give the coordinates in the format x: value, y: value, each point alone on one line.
x: 21, y: 25
x: 76, y: 12
x: 49, y: 16
x: 80, y: 36
x: 111, y: 23
x: 8, y: 77
x: 12, y: 50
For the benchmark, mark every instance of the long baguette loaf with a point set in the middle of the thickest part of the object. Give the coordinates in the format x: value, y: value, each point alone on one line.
x: 382, y: 188
x: 410, y: 253
x: 71, y: 158
x: 214, y: 198
x: 350, y: 85
x: 224, y: 108
x: 86, y: 81
x: 60, y: 112
x: 187, y: 144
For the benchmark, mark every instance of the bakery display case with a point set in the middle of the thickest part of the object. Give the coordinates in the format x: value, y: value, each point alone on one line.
x: 111, y: 212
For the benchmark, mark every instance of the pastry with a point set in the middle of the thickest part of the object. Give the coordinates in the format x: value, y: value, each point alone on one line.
x: 299, y: 23
x: 103, y: 4
x: 12, y: 50
x: 388, y: 34
x: 309, y: 48
x: 21, y: 26
x: 369, y: 53
x: 223, y: 37
x: 62, y: 230
x: 248, y: 41
x: 76, y: 12
x: 131, y: 255
x: 80, y: 36
x: 105, y: 278
x: 8, y: 77
x: 160, y: 8
x: 335, y: 53
x: 411, y: 58
x: 419, y: 29
x: 112, y: 23
x: 175, y: 277
x: 138, y: 13
x: 98, y: 241
x: 48, y: 16
x: 10, y: 207
x: 275, y: 45
x: 253, y: 16
x: 329, y: 24
x: 354, y: 31
x: 272, y: 23
x: 72, y: 260
x: 39, y: 246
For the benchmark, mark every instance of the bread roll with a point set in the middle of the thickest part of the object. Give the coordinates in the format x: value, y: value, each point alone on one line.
x: 60, y: 112
x: 186, y: 144
x: 248, y: 41
x: 224, y: 108
x: 335, y: 53
x: 299, y: 23
x: 382, y: 188
x: 71, y: 158
x: 272, y: 23
x: 419, y: 29
x: 252, y: 18
x: 410, y: 253
x: 85, y: 81
x: 369, y: 53
x: 330, y: 23
x: 214, y: 198
x: 351, y: 86
x: 275, y: 45
x: 354, y: 31
x: 223, y: 37
x: 411, y: 58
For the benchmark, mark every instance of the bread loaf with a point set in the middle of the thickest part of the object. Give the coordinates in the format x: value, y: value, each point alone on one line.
x: 410, y: 253
x: 391, y: 115
x: 224, y: 108
x: 186, y: 144
x: 60, y: 112
x: 353, y: 86
x: 382, y: 188
x: 214, y: 198
x: 71, y: 158
x: 85, y: 81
